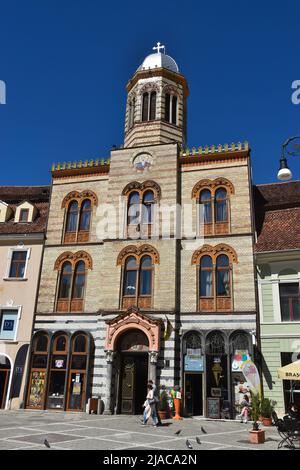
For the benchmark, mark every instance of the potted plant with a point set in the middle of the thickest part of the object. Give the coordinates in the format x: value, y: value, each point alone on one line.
x: 257, y: 436
x: 163, y: 404
x: 266, y: 409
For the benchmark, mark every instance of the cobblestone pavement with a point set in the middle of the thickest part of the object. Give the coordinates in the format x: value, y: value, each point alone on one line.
x: 67, y: 431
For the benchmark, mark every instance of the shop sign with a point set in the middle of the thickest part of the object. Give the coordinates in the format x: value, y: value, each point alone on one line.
x: 59, y: 363
x: 193, y: 363
x: 240, y: 356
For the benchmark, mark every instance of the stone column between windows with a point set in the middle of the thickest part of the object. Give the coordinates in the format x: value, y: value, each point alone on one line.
x: 109, y: 365
x: 153, y: 356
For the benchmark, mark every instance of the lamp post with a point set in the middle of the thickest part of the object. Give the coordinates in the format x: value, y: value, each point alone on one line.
x: 284, y: 172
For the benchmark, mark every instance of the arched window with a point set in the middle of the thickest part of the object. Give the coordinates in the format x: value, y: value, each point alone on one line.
x: 65, y: 281
x: 71, y: 287
x: 72, y: 217
x: 78, y: 373
x: 215, y: 344
x: 221, y: 205
x: 152, y: 114
x: 206, y: 277
x: 148, y: 207
x: 171, y: 108
x: 37, y: 378
x: 145, y: 276
x: 205, y: 206
x: 78, y: 215
x: 57, y: 373
x: 215, y: 277
x: 137, y: 281
x: 223, y: 276
x: 214, y: 195
x: 85, y: 215
x: 133, y: 210
x: 145, y: 107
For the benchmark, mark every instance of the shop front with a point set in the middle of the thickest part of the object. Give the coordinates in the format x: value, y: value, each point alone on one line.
x: 59, y: 365
x: 213, y: 379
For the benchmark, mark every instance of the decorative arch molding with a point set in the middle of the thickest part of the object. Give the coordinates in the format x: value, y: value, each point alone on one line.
x: 215, y: 251
x: 172, y: 90
x: 138, y: 251
x: 213, y: 185
x: 74, y: 258
x: 141, y: 187
x: 131, y: 97
x: 148, y: 87
x: 79, y: 197
x: 132, y: 319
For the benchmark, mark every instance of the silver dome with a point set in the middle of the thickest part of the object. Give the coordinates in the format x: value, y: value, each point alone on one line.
x: 159, y: 60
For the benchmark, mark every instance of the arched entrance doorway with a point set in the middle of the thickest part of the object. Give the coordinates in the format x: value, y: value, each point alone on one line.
x: 4, y: 379
x: 132, y: 348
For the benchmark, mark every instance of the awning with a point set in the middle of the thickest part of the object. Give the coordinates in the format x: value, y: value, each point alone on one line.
x: 290, y: 372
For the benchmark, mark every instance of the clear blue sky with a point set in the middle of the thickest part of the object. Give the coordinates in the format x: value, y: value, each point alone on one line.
x: 66, y: 64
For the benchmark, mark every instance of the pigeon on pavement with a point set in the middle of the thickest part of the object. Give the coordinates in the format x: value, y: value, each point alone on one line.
x: 203, y: 430
x: 178, y: 432
x: 188, y: 444
x: 198, y: 440
x: 47, y: 443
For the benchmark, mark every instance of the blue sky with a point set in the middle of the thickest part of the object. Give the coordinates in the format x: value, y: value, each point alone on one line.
x: 66, y: 63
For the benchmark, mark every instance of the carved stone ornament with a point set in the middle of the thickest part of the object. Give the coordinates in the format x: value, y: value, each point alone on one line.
x: 153, y: 356
x: 79, y: 197
x: 148, y: 87
x: 109, y: 356
x: 215, y: 251
x: 138, y: 251
x: 172, y: 90
x: 149, y: 184
x: 73, y: 258
x: 212, y: 185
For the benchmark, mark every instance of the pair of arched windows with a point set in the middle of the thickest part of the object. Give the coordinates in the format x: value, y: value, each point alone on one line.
x: 78, y: 221
x: 140, y: 207
x: 137, y: 282
x: 171, y: 108
x: 149, y: 106
x: 71, y: 287
x: 213, y: 199
x: 214, y: 265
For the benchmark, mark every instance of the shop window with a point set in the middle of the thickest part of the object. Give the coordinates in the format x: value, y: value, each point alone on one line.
x: 77, y: 374
x: 217, y: 368
x: 57, y: 373
x: 289, y: 301
x: 37, y: 378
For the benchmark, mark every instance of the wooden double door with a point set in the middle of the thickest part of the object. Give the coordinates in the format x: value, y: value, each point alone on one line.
x: 133, y: 382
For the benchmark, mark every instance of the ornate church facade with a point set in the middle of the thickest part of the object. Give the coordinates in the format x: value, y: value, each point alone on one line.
x: 126, y: 294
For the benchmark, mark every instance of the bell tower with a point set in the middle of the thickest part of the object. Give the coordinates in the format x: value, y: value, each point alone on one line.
x: 156, y: 105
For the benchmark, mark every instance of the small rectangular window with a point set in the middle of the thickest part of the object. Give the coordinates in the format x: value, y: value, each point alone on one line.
x: 8, y: 324
x: 290, y: 301
x: 18, y: 264
x: 24, y: 213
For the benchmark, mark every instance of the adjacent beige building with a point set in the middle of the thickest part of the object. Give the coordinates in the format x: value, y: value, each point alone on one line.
x: 23, y: 217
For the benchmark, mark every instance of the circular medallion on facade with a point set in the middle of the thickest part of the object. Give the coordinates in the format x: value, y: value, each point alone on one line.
x: 142, y: 162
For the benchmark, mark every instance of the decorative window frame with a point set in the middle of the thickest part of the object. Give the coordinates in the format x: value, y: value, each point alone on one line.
x: 213, y: 227
x: 78, y: 196
x: 9, y: 260
x: 215, y: 303
x: 172, y: 91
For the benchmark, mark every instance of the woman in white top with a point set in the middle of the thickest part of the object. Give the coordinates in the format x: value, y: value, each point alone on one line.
x: 149, y: 407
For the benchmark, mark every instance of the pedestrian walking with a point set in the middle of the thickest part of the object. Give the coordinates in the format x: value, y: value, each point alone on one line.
x: 149, y: 406
x: 156, y: 398
x: 245, y: 409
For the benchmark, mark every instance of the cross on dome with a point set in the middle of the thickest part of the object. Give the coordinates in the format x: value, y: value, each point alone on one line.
x: 158, y: 47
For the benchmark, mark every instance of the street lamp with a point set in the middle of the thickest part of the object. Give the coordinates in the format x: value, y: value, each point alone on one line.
x: 284, y: 172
